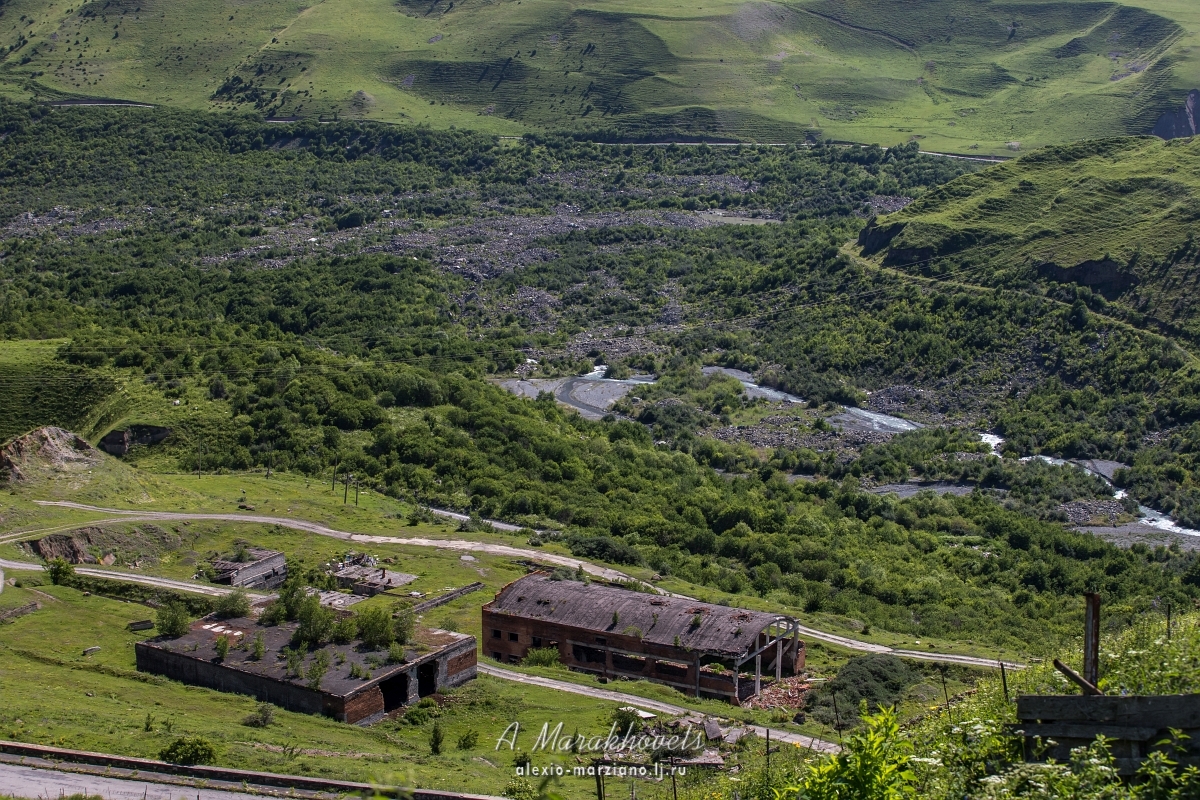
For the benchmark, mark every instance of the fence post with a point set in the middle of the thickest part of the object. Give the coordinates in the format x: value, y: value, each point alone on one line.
x: 1091, y: 638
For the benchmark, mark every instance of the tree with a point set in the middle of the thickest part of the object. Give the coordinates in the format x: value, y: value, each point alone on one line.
x: 375, y: 628
x: 436, y: 737
x: 317, y: 669
x: 344, y: 630
x: 405, y: 622
x: 60, y: 570
x: 316, y: 622
x: 234, y: 604
x: 173, y: 620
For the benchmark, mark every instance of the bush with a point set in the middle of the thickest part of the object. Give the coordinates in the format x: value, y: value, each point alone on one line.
x: 541, y: 657
x: 259, y: 648
x: 626, y: 719
x: 436, y: 737
x: 222, y: 647
x: 317, y: 669
x: 173, y: 620
x: 404, y: 623
x: 189, y: 750
x: 375, y: 628
x: 396, y: 654
x: 234, y: 604
x: 520, y: 789
x: 316, y: 623
x: 261, y: 717
x: 60, y: 571
x: 468, y: 740
x: 345, y: 630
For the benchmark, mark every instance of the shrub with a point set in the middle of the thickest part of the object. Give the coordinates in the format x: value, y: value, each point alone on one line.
x: 60, y: 571
x: 375, y: 628
x: 273, y: 614
x: 316, y: 622
x: 520, y: 789
x: 189, y: 750
x: 173, y: 620
x: 262, y: 717
x: 294, y: 659
x: 222, y: 647
x: 396, y: 654
x: 541, y: 657
x: 259, y: 648
x: 317, y: 669
x: 234, y: 604
x: 405, y: 622
x: 436, y: 737
x: 626, y: 719
x: 345, y: 630
x: 468, y: 740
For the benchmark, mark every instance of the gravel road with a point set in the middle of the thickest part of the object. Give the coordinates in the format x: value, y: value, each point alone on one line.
x: 131, y: 577
x: 478, y: 547
x: 819, y: 745
x: 48, y: 784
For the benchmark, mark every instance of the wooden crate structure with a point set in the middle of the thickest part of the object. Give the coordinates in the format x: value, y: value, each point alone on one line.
x: 1135, y: 725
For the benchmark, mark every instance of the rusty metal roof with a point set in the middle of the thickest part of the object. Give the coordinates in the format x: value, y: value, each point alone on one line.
x: 722, y: 630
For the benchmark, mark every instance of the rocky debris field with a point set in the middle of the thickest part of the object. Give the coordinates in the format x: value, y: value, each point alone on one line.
x: 1093, y: 512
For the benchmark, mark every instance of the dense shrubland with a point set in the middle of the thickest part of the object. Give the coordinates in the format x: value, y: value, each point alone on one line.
x: 369, y: 361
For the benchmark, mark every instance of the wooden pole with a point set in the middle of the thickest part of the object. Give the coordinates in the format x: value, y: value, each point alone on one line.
x: 946, y: 692
x: 1004, y: 681
x: 768, y: 751
x: 674, y: 791
x: 837, y: 717
x: 333, y: 485
x: 1091, y: 639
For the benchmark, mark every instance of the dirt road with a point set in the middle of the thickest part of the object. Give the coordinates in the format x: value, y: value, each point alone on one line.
x: 491, y: 549
x: 133, y: 577
x: 819, y: 745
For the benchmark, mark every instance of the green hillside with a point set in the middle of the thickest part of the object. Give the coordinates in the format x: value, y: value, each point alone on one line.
x: 1116, y: 216
x: 957, y: 75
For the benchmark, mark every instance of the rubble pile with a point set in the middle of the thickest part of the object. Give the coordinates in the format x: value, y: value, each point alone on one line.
x: 786, y: 693
x: 1083, y: 512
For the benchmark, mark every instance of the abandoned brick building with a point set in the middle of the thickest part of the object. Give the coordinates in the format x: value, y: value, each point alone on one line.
x: 699, y: 648
x: 436, y: 659
x: 261, y: 569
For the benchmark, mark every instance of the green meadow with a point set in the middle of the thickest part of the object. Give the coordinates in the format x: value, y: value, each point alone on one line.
x: 955, y: 75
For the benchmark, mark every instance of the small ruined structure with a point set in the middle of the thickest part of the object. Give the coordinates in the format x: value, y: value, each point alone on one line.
x: 370, y: 581
x: 358, y: 686
x: 699, y: 648
x: 261, y: 569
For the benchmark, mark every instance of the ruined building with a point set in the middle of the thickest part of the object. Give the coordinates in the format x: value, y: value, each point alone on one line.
x: 699, y: 648
x: 358, y: 686
x: 262, y: 569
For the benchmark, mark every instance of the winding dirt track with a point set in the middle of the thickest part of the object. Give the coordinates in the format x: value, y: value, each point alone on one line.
x: 460, y: 545
x: 812, y: 743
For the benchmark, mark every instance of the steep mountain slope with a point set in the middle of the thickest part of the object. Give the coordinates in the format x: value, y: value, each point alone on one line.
x: 1118, y: 217
x: 959, y: 75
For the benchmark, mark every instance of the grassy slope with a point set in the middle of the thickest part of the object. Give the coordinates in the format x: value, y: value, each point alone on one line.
x: 1132, y: 201
x: 55, y: 695
x: 954, y: 73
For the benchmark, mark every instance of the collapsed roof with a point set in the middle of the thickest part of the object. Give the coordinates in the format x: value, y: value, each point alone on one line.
x: 661, y: 620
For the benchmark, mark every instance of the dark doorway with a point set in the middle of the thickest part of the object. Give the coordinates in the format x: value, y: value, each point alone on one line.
x: 395, y: 691
x: 427, y: 678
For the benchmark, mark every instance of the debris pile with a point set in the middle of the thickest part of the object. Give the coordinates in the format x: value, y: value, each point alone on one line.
x: 786, y: 693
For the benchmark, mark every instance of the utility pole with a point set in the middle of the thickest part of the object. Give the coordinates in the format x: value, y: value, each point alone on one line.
x: 356, y: 494
x: 199, y: 455
x: 333, y: 485
x: 346, y: 491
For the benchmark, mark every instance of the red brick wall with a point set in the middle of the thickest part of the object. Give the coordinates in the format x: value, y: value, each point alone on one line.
x: 363, y: 705
x: 460, y: 662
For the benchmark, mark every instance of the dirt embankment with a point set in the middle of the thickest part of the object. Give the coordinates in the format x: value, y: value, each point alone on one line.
x: 136, y: 546
x: 46, y: 451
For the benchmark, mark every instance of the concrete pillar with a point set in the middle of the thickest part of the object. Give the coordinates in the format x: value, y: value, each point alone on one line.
x: 413, y: 696
x: 778, y: 658
x: 737, y: 700
x: 696, y: 667
x: 758, y: 673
